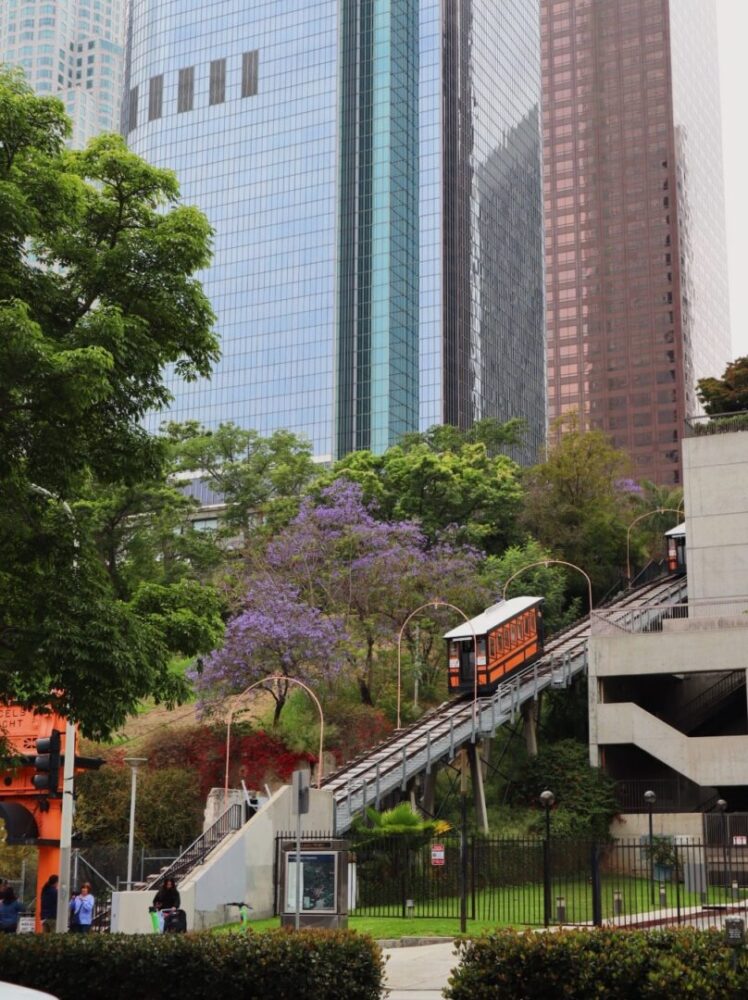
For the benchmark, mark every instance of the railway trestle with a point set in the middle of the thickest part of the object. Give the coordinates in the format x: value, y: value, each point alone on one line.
x: 418, y: 750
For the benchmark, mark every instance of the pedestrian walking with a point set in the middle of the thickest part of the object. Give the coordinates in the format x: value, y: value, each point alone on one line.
x: 48, y: 905
x: 10, y: 908
x: 82, y: 910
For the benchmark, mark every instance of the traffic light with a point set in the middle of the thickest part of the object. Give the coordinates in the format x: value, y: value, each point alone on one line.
x: 47, y: 763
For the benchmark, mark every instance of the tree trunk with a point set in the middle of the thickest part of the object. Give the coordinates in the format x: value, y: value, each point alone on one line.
x: 365, y: 692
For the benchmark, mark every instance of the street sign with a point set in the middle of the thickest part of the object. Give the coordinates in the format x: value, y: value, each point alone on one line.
x: 26, y: 925
x: 300, y: 793
x: 740, y: 840
x: 437, y: 854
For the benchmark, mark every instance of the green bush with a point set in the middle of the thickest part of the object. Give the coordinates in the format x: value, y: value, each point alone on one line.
x: 592, y: 965
x: 278, y: 965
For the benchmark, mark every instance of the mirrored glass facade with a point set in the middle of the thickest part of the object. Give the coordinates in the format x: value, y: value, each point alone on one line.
x: 71, y: 49
x: 372, y: 172
x: 635, y: 241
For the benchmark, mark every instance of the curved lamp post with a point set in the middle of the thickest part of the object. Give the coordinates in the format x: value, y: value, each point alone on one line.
x: 435, y: 604
x: 647, y: 513
x: 290, y: 680
x: 549, y: 562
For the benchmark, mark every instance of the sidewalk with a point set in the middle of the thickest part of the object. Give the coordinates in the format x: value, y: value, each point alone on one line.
x: 419, y: 973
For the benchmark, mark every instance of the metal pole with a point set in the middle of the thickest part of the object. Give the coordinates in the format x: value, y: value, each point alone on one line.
x: 134, y: 763
x: 66, y: 828
x: 650, y: 798
x: 547, y: 798
x: 463, y: 843
x: 297, y: 917
x: 651, y: 858
x: 68, y: 770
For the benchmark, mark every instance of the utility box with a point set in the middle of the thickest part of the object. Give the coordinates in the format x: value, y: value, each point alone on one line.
x: 324, y: 884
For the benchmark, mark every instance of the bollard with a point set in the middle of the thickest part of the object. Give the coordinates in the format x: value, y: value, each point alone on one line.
x: 561, y: 909
x: 735, y: 889
x: 617, y: 902
x: 409, y: 907
x: 663, y: 894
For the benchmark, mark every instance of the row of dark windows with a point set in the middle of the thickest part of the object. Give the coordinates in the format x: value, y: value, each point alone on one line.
x: 186, y: 88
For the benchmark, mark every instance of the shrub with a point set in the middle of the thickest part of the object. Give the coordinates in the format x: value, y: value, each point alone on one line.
x: 589, y: 965
x: 585, y: 800
x: 279, y: 965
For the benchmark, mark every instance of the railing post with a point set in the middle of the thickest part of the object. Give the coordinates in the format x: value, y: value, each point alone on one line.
x: 597, y: 901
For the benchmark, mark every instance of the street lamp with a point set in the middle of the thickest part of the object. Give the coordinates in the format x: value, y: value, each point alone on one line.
x: 436, y: 604
x: 721, y: 805
x: 264, y: 680
x: 546, y: 563
x: 547, y: 798
x: 650, y: 798
x: 134, y: 763
x: 647, y: 513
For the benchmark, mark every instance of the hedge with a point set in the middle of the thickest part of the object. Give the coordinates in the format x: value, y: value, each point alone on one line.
x: 598, y: 965
x: 278, y: 965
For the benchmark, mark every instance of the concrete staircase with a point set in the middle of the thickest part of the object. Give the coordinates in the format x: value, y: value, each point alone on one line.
x: 705, y: 760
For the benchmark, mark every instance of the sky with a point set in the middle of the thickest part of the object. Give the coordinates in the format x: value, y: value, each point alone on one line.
x: 733, y: 59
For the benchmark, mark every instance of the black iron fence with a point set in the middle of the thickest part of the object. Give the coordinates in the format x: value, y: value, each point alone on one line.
x: 534, y: 882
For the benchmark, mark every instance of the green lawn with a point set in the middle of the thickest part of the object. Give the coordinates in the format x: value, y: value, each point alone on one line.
x: 521, y: 906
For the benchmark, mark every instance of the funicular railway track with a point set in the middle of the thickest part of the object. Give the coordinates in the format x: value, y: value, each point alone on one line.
x: 437, y: 736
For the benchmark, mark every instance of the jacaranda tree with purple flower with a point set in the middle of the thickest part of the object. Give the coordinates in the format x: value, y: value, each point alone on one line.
x: 368, y: 574
x: 330, y: 592
x: 276, y: 632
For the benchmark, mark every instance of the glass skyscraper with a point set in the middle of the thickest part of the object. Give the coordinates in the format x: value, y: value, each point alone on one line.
x: 372, y: 172
x: 636, y: 250
x: 71, y: 49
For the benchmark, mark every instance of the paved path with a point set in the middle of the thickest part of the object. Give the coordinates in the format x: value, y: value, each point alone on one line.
x: 419, y: 973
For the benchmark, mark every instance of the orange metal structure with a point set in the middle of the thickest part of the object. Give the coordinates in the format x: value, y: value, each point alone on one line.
x: 31, y: 817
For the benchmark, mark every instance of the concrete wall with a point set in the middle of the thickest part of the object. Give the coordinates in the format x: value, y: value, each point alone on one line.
x: 715, y: 476
x: 239, y: 870
x: 706, y: 760
x: 636, y: 825
x: 700, y: 646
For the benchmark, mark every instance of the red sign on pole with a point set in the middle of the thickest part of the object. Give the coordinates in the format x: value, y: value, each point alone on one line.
x: 437, y: 854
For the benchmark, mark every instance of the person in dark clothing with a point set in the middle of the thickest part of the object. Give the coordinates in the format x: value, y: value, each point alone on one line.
x: 167, y: 897
x: 49, y: 905
x: 10, y: 907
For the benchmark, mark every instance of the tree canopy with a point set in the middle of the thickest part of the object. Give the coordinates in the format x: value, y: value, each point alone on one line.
x: 97, y: 294
x: 728, y: 394
x: 331, y: 591
x: 445, y: 478
x: 578, y: 503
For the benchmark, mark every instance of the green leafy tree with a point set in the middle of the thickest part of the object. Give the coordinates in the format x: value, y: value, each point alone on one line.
x: 169, y: 813
x: 444, y: 478
x: 549, y: 582
x: 579, y: 503
x: 585, y: 801
x: 97, y: 294
x: 261, y: 478
x: 728, y: 394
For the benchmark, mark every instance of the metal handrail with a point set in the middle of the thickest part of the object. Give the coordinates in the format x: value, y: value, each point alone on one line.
x: 227, y: 823
x: 721, y: 688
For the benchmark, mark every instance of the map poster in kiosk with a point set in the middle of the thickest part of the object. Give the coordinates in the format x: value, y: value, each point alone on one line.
x: 318, y: 880
x: 323, y: 872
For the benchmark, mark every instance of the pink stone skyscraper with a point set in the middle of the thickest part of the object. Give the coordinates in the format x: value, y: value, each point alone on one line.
x: 636, y: 272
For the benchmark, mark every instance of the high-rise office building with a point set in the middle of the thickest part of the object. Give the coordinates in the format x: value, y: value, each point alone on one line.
x: 637, y: 306
x: 71, y: 49
x: 372, y: 172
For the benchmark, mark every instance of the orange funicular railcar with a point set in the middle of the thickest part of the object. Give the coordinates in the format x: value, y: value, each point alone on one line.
x: 509, y: 636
